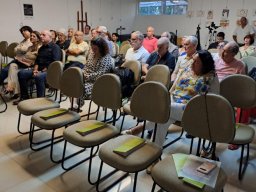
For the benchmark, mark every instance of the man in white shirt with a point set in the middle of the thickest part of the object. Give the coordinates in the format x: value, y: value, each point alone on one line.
x: 137, y: 51
x: 242, y: 30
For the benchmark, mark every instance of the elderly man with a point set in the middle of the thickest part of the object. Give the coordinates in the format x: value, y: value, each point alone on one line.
x: 173, y: 49
x: 190, y: 44
x: 77, y: 52
x: 161, y: 56
x: 102, y: 32
x: 47, y: 53
x: 62, y: 42
x: 137, y: 51
x: 150, y: 42
x: 242, y: 30
x: 87, y: 35
x: 227, y: 64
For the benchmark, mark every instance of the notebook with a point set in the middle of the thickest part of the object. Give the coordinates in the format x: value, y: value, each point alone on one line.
x: 55, y: 113
x: 91, y: 128
x: 129, y: 146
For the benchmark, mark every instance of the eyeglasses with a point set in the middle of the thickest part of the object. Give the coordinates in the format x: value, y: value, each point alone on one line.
x: 132, y: 40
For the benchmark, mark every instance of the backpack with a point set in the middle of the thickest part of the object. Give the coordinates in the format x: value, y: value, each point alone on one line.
x: 252, y: 73
x: 126, y: 76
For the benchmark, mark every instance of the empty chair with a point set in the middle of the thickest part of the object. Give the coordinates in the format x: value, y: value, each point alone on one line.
x: 72, y: 85
x: 106, y: 93
x: 240, y: 90
x: 10, y: 52
x: 31, y: 106
x: 205, y: 116
x: 149, y: 108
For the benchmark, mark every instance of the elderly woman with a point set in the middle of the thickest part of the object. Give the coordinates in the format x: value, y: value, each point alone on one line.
x: 22, y: 62
x: 248, y: 48
x: 194, y: 79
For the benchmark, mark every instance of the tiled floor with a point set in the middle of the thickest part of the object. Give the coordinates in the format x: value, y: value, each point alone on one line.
x: 23, y: 170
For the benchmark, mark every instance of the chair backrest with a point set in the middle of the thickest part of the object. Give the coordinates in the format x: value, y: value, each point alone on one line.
x: 151, y: 101
x: 209, y: 117
x: 72, y: 82
x: 123, y: 49
x: 240, y: 90
x: 106, y: 91
x: 3, y: 48
x: 250, y: 62
x: 159, y: 73
x: 10, y: 50
x: 54, y: 73
x: 135, y: 66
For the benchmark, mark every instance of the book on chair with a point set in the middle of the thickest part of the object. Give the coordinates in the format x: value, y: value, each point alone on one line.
x: 129, y: 146
x: 55, y: 113
x: 91, y: 128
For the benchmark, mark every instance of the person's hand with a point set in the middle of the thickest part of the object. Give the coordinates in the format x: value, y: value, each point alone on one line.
x: 35, y: 73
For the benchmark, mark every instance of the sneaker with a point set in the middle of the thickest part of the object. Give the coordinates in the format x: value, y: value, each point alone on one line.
x: 127, y: 132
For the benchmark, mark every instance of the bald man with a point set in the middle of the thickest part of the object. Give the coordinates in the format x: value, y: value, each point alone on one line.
x: 47, y: 53
x: 150, y: 42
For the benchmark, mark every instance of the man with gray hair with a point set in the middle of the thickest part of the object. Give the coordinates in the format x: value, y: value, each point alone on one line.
x: 137, y: 51
x: 227, y: 64
x: 161, y: 56
x: 102, y: 32
x: 190, y: 44
x: 173, y: 49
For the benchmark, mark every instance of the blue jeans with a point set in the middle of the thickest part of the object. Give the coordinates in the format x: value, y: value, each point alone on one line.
x: 4, y: 74
x: 73, y: 64
x: 40, y: 79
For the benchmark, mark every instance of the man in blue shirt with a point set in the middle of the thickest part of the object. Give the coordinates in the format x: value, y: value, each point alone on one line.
x: 161, y: 56
x: 47, y: 53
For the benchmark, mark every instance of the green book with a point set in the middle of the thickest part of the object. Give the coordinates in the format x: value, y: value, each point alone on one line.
x: 91, y: 128
x: 56, y: 113
x: 129, y: 146
x: 193, y: 182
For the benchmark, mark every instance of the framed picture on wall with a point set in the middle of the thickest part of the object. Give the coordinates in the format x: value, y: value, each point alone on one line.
x: 242, y: 12
x: 210, y: 14
x: 28, y: 11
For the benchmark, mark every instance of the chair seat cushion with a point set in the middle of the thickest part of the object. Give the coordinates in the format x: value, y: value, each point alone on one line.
x: 32, y: 106
x: 56, y: 122
x: 165, y: 175
x: 92, y: 139
x: 244, y: 135
x: 136, y: 161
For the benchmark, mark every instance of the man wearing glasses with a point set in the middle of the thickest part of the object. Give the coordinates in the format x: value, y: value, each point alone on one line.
x: 137, y: 51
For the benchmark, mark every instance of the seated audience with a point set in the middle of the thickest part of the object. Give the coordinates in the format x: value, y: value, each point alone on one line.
x: 248, y: 48
x: 219, y: 39
x: 47, y: 53
x: 189, y: 44
x: 20, y: 50
x: 54, y: 35
x: 173, y: 49
x: 102, y: 32
x: 194, y: 79
x: 87, y: 35
x: 182, y: 49
x: 227, y: 64
x: 63, y: 42
x: 77, y: 52
x: 150, y: 42
x: 161, y: 56
x: 115, y: 38
x: 137, y: 51
x: 22, y: 62
x: 94, y: 34
x: 99, y: 62
x: 70, y: 35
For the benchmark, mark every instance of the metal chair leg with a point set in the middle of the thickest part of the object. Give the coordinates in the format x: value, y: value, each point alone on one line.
x: 242, y: 168
x: 5, y: 104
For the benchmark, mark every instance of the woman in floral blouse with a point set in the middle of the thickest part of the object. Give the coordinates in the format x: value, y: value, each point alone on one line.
x: 99, y: 62
x: 194, y: 79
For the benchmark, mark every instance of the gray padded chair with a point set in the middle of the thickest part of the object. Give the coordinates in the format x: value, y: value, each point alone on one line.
x: 10, y: 51
x: 158, y: 73
x: 72, y: 85
x: 240, y: 90
x: 149, y: 108
x: 32, y: 106
x: 204, y: 117
x: 106, y: 93
x: 250, y: 62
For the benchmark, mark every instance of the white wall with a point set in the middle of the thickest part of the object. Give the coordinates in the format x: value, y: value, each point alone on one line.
x: 54, y: 14
x: 187, y: 26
